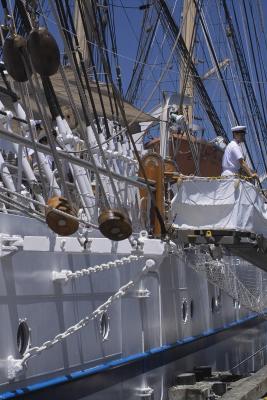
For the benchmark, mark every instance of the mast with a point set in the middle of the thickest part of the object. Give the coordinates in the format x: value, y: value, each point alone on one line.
x: 80, y: 31
x: 186, y: 81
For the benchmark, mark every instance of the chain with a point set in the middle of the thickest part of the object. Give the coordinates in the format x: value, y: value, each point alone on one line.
x: 214, y: 178
x: 66, y: 275
x: 37, y: 350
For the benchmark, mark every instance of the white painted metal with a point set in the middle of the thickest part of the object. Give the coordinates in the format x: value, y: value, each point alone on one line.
x: 25, y: 164
x: 80, y: 175
x: 53, y: 185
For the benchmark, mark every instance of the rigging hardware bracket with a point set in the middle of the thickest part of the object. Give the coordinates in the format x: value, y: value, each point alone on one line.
x: 9, y: 244
x: 141, y: 293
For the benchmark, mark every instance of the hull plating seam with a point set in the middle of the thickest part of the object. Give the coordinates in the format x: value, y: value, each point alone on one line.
x: 123, y: 362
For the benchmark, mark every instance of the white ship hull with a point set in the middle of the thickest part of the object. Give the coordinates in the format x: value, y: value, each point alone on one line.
x: 171, y: 310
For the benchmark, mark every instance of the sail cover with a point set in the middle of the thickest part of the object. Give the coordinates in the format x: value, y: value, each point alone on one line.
x: 222, y: 204
x: 132, y: 113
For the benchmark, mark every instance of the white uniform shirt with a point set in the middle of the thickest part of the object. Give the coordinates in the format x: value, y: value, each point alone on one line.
x: 232, y: 156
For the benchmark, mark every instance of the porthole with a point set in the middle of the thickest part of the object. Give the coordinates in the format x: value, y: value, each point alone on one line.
x: 191, y: 309
x: 185, y: 310
x: 104, y: 326
x: 23, y: 337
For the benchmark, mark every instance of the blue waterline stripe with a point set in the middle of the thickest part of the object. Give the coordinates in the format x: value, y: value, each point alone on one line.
x: 135, y: 357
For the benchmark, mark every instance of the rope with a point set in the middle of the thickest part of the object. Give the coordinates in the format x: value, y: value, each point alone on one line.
x: 220, y: 177
x: 86, y: 224
x: 90, y: 120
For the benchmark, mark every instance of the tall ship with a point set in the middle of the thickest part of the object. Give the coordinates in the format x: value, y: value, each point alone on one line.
x: 125, y: 257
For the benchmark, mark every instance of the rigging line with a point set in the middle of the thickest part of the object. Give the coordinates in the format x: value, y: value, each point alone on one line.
x: 83, y: 67
x: 160, y: 46
x: 163, y: 70
x: 19, y: 206
x: 108, y: 134
x: 246, y: 33
x: 231, y: 120
x: 13, y: 27
x: 88, y: 87
x: 129, y: 20
x: 140, y: 55
x: 262, y: 67
x: 144, y: 40
x: 41, y: 7
x: 141, y: 52
x: 240, y: 38
x: 200, y: 88
x: 154, y: 65
x: 263, y: 128
x: 163, y: 229
x: 13, y: 137
x: 248, y: 41
x: 100, y: 34
x: 38, y: 203
x: 96, y: 168
x: 244, y: 72
x: 138, y: 79
x: 251, y: 123
x: 262, y: 21
x: 129, y: 7
x: 130, y: 138
x: 111, y: 25
x: 152, y: 75
x: 64, y: 22
x: 51, y: 99
x: 234, y: 79
x: 99, y: 47
x: 47, y: 128
x: 245, y: 61
x: 239, y: 35
x: 111, y: 16
x: 27, y: 204
x: 107, y: 66
x: 218, y: 70
x: 25, y: 17
x: 31, y: 131
x: 165, y: 34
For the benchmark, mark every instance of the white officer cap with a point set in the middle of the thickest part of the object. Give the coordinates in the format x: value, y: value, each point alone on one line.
x: 239, y: 128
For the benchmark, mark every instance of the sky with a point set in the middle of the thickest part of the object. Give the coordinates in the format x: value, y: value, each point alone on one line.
x: 248, y: 17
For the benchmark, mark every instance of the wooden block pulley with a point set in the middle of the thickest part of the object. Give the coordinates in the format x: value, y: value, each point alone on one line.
x: 14, y: 57
x: 61, y: 224
x: 115, y: 224
x: 44, y: 51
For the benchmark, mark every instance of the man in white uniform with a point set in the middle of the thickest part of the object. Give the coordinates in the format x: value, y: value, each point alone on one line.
x: 233, y: 159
